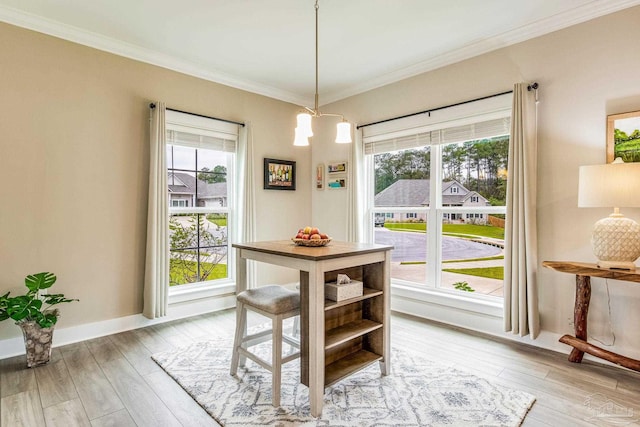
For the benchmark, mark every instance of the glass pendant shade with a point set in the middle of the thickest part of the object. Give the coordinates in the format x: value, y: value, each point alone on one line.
x: 300, y: 140
x: 304, y: 124
x: 343, y: 135
x: 303, y: 128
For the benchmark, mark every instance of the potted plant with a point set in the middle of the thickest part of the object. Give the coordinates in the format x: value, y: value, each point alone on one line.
x: 34, y: 314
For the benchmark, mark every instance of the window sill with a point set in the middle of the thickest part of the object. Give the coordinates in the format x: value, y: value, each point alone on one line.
x: 177, y: 296
x: 460, y: 302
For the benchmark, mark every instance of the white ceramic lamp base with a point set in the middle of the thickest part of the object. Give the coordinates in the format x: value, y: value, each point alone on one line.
x: 616, y: 242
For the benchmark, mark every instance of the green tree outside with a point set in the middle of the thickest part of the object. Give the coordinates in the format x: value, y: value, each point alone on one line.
x: 218, y: 174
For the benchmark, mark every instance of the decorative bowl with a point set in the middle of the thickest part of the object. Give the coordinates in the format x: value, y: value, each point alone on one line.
x: 310, y: 242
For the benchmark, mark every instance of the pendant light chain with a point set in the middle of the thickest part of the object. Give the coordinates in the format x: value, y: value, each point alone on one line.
x: 317, y: 113
x: 303, y: 130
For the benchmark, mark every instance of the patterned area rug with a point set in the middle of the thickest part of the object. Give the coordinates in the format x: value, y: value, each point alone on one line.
x: 419, y: 392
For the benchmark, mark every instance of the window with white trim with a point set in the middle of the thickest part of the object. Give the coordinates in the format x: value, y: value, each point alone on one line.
x: 201, y: 156
x: 425, y: 171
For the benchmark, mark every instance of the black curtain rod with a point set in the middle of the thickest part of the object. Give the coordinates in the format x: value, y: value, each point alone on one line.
x: 530, y: 87
x: 152, y: 105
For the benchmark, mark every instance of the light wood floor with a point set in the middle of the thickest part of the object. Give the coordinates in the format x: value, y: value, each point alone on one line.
x: 111, y: 381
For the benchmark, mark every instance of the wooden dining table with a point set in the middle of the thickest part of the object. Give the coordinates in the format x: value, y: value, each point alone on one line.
x: 338, y: 338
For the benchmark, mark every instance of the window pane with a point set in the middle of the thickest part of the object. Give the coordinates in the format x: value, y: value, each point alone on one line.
x: 198, y: 247
x: 182, y: 267
x: 474, y: 173
x: 182, y: 158
x: 181, y: 187
x: 211, y: 265
x: 211, y: 186
x: 409, y: 256
x: 401, y: 180
x: 472, y: 254
x: 183, y: 231
x: 213, y: 230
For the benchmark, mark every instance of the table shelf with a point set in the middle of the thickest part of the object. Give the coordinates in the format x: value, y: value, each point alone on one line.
x: 349, y: 331
x: 348, y: 365
x: 366, y: 293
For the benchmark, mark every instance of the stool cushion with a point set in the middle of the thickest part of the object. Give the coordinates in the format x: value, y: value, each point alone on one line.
x: 273, y: 299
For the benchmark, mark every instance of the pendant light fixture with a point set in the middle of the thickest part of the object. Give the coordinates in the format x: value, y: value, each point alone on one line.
x: 303, y: 129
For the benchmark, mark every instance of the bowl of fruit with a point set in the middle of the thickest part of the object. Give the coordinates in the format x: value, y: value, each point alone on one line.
x: 311, y: 236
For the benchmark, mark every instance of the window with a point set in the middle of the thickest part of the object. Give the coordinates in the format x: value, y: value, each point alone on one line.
x: 200, y: 187
x: 452, y: 241
x: 177, y: 203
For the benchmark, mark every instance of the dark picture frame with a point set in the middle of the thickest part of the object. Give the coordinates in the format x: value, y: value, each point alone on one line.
x: 279, y: 174
x: 623, y: 137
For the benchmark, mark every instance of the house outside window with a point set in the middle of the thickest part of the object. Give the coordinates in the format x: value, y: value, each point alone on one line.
x: 451, y: 183
x: 200, y: 189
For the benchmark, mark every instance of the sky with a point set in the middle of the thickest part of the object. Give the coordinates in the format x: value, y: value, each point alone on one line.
x: 628, y: 125
x: 184, y: 158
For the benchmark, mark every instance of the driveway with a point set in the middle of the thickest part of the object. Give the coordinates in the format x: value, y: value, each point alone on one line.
x: 411, y: 246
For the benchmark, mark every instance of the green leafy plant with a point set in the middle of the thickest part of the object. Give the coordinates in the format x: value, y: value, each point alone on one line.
x: 33, y: 306
x: 463, y: 286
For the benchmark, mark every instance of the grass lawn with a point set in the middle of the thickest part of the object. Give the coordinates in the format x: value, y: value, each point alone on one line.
x: 219, y: 219
x: 628, y: 150
x: 472, y: 230
x: 489, y: 272
x: 489, y: 258
x: 178, y: 270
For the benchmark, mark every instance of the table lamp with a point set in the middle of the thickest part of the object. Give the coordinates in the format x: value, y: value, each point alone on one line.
x: 615, y: 239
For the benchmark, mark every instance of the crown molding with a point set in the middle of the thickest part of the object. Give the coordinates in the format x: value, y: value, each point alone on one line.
x: 87, y: 38
x: 539, y: 28
x: 559, y: 21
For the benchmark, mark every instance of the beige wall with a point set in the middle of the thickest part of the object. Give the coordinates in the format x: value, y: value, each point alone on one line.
x: 74, y: 168
x: 585, y: 72
x: 73, y: 159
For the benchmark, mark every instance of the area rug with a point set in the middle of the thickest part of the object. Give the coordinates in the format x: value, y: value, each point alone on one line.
x: 419, y: 392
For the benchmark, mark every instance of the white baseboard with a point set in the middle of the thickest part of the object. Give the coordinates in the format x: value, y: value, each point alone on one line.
x: 15, y: 346
x: 490, y: 324
x: 487, y: 323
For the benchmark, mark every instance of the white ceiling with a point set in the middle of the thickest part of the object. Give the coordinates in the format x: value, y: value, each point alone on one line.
x: 267, y: 46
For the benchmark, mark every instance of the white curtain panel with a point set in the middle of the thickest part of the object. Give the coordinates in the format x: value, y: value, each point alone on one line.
x: 355, y: 188
x: 246, y: 193
x: 521, y: 314
x: 156, y: 277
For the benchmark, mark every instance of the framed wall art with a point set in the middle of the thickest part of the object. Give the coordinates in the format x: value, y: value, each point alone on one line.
x: 337, y: 167
x: 623, y: 137
x: 320, y: 176
x: 336, y: 183
x: 279, y: 174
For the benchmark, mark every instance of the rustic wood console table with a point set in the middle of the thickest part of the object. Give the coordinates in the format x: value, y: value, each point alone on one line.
x: 584, y: 272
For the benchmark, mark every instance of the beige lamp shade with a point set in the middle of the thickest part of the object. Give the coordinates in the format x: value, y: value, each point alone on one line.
x: 615, y: 185
x: 615, y: 239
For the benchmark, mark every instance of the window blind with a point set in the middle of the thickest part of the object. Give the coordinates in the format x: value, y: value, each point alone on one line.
x: 479, y: 120
x: 188, y: 139
x: 201, y: 132
x: 470, y: 132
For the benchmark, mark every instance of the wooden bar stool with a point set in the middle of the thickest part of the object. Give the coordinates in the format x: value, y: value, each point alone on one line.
x: 276, y: 303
